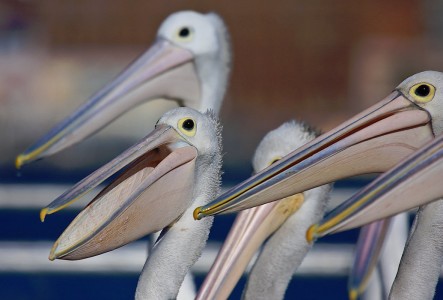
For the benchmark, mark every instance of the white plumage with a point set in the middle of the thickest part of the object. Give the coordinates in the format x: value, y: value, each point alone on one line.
x: 420, y: 266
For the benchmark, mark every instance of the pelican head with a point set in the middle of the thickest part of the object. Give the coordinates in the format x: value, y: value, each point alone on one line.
x: 162, y: 174
x: 371, y: 142
x: 413, y: 182
x: 188, y: 63
x: 426, y: 90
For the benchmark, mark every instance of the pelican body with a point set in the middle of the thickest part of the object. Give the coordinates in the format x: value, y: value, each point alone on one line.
x: 188, y: 63
x: 176, y: 166
x: 284, y: 222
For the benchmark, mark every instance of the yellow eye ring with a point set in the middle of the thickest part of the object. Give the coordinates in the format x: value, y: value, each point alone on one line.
x: 422, y: 92
x: 185, y: 34
x: 187, y: 126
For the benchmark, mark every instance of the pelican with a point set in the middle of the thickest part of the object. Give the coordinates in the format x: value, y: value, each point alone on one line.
x: 414, y: 182
x: 371, y: 142
x: 176, y: 165
x: 189, y: 63
x: 286, y: 221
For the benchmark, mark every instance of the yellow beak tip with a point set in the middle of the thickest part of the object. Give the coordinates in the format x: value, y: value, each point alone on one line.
x: 353, y: 294
x: 196, y: 214
x: 43, y: 214
x: 19, y: 161
x: 52, y: 254
x: 311, y: 234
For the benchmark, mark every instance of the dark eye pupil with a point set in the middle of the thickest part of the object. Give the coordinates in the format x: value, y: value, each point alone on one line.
x: 184, y: 32
x: 423, y: 90
x: 188, y: 124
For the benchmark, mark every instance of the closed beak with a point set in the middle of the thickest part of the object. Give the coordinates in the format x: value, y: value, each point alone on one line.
x: 163, y: 71
x: 373, y: 141
x: 412, y: 183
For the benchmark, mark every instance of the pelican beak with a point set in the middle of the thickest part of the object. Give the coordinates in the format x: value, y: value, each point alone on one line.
x: 414, y: 182
x: 163, y: 71
x: 151, y: 193
x: 373, y: 141
x: 250, y: 229
x: 369, y: 245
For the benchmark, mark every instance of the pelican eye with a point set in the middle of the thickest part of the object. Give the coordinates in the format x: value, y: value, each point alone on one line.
x: 422, y: 92
x: 185, y: 34
x: 187, y: 126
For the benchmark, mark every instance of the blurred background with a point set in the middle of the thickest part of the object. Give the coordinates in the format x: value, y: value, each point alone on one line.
x: 317, y: 61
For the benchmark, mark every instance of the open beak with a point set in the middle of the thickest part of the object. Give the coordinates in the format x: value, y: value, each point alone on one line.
x: 414, y: 182
x: 249, y: 231
x: 372, y: 141
x: 147, y: 196
x: 163, y: 71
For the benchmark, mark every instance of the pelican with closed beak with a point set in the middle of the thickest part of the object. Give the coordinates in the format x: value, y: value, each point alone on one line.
x: 371, y: 142
x: 176, y: 166
x: 414, y: 182
x: 189, y: 63
x: 284, y: 222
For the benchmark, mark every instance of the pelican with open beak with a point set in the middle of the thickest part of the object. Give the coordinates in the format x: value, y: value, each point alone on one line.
x: 414, y: 182
x: 188, y: 63
x: 176, y: 165
x: 372, y: 141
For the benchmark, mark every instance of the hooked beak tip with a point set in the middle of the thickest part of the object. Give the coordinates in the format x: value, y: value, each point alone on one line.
x: 19, y: 161
x: 197, y: 214
x: 52, y: 254
x: 43, y: 214
x: 312, y: 233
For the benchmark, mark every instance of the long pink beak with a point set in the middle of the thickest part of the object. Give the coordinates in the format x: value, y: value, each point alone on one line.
x: 153, y: 191
x: 163, y: 71
x: 371, y: 142
x: 249, y: 231
x: 414, y: 182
